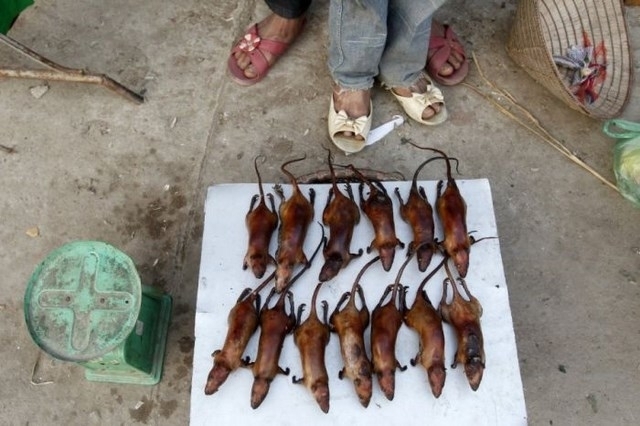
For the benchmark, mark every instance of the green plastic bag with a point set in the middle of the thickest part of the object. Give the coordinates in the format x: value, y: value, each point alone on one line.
x: 626, y: 157
x: 9, y: 11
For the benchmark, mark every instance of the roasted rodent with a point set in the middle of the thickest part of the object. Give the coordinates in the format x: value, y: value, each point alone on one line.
x: 261, y: 222
x: 311, y: 337
x: 350, y: 323
x: 418, y: 213
x: 464, y: 316
x: 378, y: 207
x: 386, y: 321
x: 296, y: 214
x: 341, y: 215
x: 275, y: 324
x: 425, y: 320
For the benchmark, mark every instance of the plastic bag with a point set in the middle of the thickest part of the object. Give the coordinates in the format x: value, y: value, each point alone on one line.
x: 626, y: 157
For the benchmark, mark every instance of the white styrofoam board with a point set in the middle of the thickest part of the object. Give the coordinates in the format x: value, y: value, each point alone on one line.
x: 500, y: 398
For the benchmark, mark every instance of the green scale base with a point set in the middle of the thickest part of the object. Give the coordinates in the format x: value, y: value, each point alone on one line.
x: 140, y: 358
x: 85, y: 303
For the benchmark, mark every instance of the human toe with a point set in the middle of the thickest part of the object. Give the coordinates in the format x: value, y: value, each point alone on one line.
x: 430, y: 111
x: 446, y: 69
x: 244, y: 63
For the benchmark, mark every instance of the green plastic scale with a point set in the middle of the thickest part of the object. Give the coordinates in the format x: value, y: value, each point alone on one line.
x: 84, y: 303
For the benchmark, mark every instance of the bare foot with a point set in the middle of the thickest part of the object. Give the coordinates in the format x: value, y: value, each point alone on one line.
x: 455, y: 60
x: 420, y: 86
x: 355, y: 103
x: 273, y: 27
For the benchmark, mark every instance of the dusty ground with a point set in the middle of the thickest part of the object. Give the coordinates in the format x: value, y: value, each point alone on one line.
x: 90, y: 165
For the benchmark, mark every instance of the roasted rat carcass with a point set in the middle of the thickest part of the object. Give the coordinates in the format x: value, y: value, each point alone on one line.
x: 464, y: 316
x: 261, y: 222
x: 311, y: 337
x: 341, y: 215
x: 425, y: 320
x: 378, y: 208
x: 296, y: 214
x: 418, y: 213
x: 386, y: 320
x: 350, y: 323
x: 275, y: 324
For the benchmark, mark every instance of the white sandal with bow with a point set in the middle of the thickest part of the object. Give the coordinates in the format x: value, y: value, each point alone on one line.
x: 415, y: 105
x: 340, y: 123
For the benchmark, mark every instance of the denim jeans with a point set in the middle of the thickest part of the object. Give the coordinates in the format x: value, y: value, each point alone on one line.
x: 388, y: 39
x: 289, y: 9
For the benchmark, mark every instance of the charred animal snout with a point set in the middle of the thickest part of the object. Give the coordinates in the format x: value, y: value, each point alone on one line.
x: 258, y: 264
x: 259, y: 391
x: 387, y: 254
x: 437, y: 375
x: 387, y: 381
x: 331, y: 268
x: 474, y: 369
x: 217, y: 376
x: 321, y: 394
x: 424, y: 253
x: 461, y: 261
x: 363, y: 386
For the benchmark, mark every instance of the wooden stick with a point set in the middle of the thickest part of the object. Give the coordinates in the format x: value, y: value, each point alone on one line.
x: 60, y: 73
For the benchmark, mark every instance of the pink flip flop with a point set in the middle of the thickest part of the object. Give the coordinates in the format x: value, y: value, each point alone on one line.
x: 441, y: 43
x: 255, y: 47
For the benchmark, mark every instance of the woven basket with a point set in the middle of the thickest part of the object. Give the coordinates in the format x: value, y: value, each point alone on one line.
x: 544, y: 28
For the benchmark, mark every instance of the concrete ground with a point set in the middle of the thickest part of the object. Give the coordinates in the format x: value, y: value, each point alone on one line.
x: 88, y: 164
